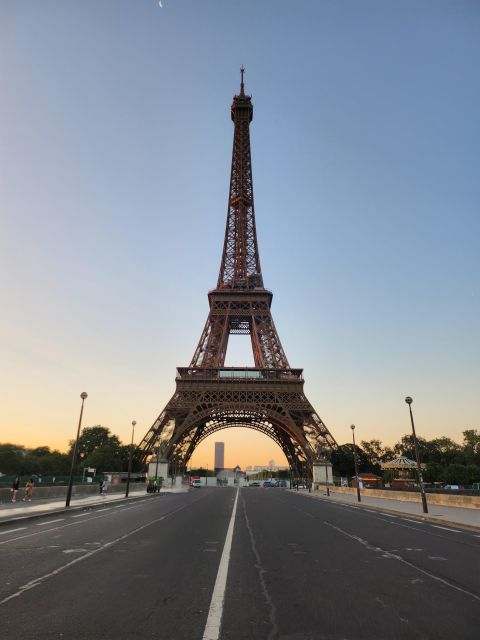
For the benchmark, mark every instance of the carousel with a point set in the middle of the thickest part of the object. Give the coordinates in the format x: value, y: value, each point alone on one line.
x: 404, y: 472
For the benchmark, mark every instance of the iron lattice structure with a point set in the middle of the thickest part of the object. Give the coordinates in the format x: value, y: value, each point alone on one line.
x: 209, y: 396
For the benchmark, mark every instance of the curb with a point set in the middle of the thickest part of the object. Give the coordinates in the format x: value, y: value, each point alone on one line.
x: 395, y: 512
x: 93, y: 505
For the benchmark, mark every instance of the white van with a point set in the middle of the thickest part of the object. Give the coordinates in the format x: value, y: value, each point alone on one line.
x: 196, y: 484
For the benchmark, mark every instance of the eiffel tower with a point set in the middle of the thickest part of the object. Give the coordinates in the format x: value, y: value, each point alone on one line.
x: 209, y: 396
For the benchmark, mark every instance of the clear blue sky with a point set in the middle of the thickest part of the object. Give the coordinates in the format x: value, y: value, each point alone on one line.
x: 114, y: 167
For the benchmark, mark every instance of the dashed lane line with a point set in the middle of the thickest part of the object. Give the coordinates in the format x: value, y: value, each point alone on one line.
x: 64, y: 526
x: 395, y: 556
x: 4, y: 533
x: 414, y: 521
x: 437, y: 526
x: 81, y: 515
x: 42, y: 524
x: 38, y: 581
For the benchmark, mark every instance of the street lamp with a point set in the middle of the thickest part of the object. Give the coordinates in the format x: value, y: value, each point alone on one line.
x: 83, y: 396
x: 156, y: 467
x: 130, y: 460
x: 326, y: 472
x: 409, y: 401
x: 352, y: 427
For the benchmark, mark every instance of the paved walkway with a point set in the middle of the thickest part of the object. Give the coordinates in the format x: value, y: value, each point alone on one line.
x: 14, y: 511
x: 436, y: 512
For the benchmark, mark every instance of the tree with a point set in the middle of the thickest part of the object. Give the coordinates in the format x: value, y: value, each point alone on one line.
x: 406, y: 447
x: 92, y: 438
x: 471, y: 446
x: 376, y: 454
x: 104, y: 458
x: 433, y: 472
x: 444, y: 451
x: 12, y: 458
x: 342, y: 460
x: 456, y: 474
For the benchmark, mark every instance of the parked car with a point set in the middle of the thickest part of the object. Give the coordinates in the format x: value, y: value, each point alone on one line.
x: 196, y: 484
x: 270, y: 483
x: 255, y: 483
x: 452, y: 487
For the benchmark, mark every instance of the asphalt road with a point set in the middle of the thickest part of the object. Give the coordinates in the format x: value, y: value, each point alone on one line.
x: 299, y: 569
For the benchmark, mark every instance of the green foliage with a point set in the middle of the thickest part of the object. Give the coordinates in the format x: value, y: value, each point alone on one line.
x: 12, y: 458
x: 92, y: 438
x: 200, y: 471
x: 446, y: 461
x: 97, y: 447
x: 16, y: 458
x: 471, y: 446
x: 343, y: 462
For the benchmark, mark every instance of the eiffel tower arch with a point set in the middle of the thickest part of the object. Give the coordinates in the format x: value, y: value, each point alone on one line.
x: 268, y: 397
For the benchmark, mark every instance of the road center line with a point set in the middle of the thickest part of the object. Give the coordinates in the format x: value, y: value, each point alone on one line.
x: 437, y: 526
x: 4, y: 533
x: 42, y: 524
x: 80, y: 515
x: 214, y: 620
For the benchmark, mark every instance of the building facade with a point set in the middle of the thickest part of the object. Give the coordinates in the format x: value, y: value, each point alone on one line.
x: 219, y: 455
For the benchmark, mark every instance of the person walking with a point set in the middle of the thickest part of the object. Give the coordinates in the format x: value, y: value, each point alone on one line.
x: 14, y: 489
x: 28, y: 490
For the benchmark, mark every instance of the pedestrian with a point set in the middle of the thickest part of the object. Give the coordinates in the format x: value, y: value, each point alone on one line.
x: 14, y: 489
x: 104, y: 488
x: 28, y: 490
x: 101, y: 486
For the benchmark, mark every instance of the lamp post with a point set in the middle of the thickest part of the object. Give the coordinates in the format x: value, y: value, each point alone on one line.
x: 352, y: 427
x: 83, y: 396
x: 409, y: 401
x: 326, y: 472
x: 130, y: 460
x: 156, y: 466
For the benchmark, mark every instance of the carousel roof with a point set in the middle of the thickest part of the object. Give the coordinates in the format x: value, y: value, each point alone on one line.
x: 399, y: 463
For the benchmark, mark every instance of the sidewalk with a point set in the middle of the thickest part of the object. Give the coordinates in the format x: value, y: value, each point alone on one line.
x: 20, y: 510
x: 469, y: 518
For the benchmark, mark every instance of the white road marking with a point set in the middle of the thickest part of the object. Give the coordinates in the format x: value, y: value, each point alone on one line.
x: 71, y: 524
x: 42, y: 524
x: 80, y: 515
x: 4, y: 533
x: 38, y: 581
x: 445, y: 528
x: 394, y: 556
x: 214, y: 620
x: 389, y: 515
x: 414, y: 521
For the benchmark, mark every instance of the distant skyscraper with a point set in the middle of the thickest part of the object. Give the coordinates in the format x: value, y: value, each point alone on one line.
x: 219, y: 455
